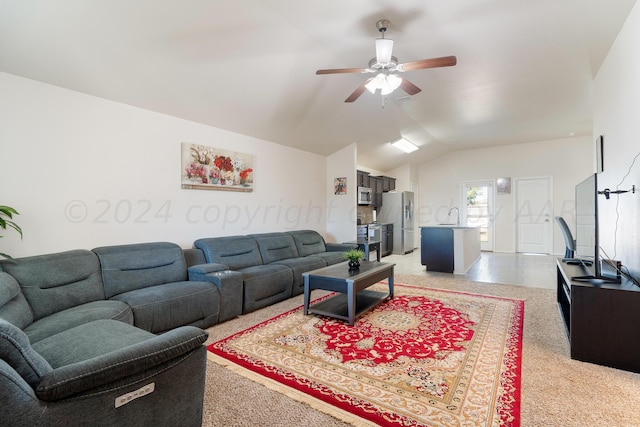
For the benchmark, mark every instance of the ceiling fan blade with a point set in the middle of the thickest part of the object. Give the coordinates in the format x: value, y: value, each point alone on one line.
x: 356, y: 93
x: 445, y: 61
x: 343, y: 71
x: 409, y: 87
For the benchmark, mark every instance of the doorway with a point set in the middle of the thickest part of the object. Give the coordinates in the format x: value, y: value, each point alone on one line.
x: 534, y: 208
x: 478, y: 208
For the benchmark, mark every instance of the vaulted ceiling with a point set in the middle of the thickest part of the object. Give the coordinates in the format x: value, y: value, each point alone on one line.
x: 524, y: 71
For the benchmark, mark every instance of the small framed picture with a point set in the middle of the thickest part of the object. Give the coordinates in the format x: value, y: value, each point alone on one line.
x: 340, y: 186
x: 504, y: 185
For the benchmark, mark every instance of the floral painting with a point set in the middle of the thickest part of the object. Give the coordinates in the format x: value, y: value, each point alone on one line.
x: 208, y: 168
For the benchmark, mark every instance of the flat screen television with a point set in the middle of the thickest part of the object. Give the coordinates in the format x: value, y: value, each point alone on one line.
x: 587, y: 233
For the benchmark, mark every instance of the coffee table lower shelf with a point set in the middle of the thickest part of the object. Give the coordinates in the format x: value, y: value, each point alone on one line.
x: 352, y: 298
x: 337, y: 306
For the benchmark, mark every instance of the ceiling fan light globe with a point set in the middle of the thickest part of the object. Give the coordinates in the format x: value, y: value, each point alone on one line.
x: 386, y: 89
x: 389, y: 83
x: 394, y: 81
x: 376, y: 82
x: 372, y: 86
x: 384, y: 47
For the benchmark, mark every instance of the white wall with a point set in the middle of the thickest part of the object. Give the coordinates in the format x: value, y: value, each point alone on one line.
x: 342, y: 208
x: 85, y: 172
x: 617, y: 102
x: 568, y: 161
x: 406, y: 177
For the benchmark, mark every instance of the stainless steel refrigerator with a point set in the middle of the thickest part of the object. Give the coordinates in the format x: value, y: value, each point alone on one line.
x: 397, y: 209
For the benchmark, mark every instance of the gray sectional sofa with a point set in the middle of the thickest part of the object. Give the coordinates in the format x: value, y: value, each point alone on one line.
x: 113, y: 336
x: 268, y: 266
x: 78, y: 337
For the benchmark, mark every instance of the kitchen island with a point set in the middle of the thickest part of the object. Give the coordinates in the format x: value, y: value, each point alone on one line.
x: 449, y: 248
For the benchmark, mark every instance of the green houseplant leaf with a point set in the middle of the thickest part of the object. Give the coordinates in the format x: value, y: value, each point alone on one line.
x: 6, y: 221
x: 354, y: 255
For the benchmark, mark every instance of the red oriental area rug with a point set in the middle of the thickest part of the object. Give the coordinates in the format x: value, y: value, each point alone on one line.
x: 427, y: 357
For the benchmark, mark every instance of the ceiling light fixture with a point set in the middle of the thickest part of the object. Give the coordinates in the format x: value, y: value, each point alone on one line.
x: 387, y: 83
x: 384, y: 47
x: 404, y: 145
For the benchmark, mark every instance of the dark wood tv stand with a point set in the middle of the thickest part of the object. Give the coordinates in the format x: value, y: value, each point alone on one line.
x: 602, y: 321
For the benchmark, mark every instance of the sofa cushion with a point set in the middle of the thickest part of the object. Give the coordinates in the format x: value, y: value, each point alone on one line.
x: 265, y: 285
x: 56, y: 282
x: 330, y: 257
x: 193, y: 256
x: 275, y: 246
x: 104, y: 351
x: 163, y: 307
x: 234, y: 251
x: 87, y: 341
x: 308, y: 242
x: 299, y: 266
x: 18, y: 353
x: 74, y: 316
x: 13, y: 306
x: 129, y: 267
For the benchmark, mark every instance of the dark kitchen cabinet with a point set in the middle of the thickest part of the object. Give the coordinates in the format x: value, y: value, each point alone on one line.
x: 436, y: 248
x: 386, y: 240
x: 388, y: 183
x: 375, y: 183
x: 363, y: 179
x: 392, y: 184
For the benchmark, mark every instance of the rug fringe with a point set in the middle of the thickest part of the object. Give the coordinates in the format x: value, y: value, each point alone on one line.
x: 291, y: 392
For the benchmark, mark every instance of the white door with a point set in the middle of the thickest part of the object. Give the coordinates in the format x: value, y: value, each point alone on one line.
x: 477, y: 210
x: 534, y: 209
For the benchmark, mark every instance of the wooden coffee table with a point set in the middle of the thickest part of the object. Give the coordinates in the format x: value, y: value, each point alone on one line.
x: 353, y: 299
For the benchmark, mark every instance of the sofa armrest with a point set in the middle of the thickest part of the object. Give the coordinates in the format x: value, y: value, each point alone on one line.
x: 340, y: 247
x: 230, y: 284
x: 207, y: 268
x: 79, y: 377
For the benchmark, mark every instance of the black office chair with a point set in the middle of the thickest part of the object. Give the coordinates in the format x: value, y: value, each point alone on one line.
x: 569, y: 242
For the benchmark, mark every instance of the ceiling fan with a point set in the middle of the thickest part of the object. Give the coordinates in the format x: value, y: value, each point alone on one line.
x: 385, y: 66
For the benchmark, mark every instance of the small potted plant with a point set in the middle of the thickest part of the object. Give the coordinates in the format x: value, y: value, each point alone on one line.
x: 6, y: 220
x: 354, y: 256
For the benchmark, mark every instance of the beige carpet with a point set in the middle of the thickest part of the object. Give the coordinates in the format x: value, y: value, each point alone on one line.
x: 556, y: 391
